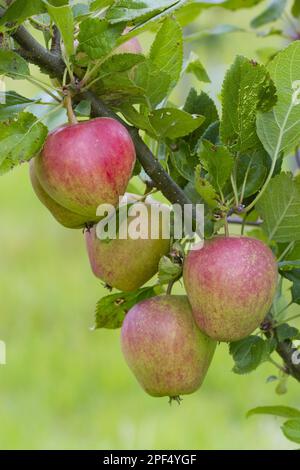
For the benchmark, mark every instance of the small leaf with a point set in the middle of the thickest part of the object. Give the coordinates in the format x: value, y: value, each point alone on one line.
x: 246, y: 89
x: 97, y: 38
x: 279, y: 129
x: 99, y: 4
x: 293, y: 276
x: 173, y: 123
x: 281, y: 411
x: 218, y: 30
x: 251, y: 171
x: 272, y: 13
x: 83, y: 108
x: 218, y: 162
x: 184, y: 162
x: 11, y: 104
x: 154, y: 83
x: 63, y: 18
x: 291, y: 430
x: 112, y: 309
x: 12, y: 65
x: 249, y: 353
x: 133, y: 10
x: 202, y: 105
x: 240, y: 4
x: 196, y: 67
x: 205, y: 189
x: 168, y: 271
x: 296, y: 9
x: 279, y: 207
x: 167, y: 50
x: 20, y: 10
x: 286, y: 332
x: 20, y: 140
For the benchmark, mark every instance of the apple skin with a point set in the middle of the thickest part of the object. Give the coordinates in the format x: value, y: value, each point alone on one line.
x: 164, y: 348
x: 87, y: 164
x: 65, y: 217
x: 230, y: 283
x: 132, y: 46
x: 126, y: 264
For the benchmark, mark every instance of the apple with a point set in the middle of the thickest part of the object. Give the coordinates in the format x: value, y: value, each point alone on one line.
x: 127, y: 264
x: 230, y: 283
x: 87, y: 164
x: 65, y: 217
x: 132, y: 46
x: 164, y: 348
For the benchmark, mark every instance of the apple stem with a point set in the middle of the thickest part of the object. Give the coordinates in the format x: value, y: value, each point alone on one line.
x: 170, y: 287
x: 226, y: 228
x: 69, y: 107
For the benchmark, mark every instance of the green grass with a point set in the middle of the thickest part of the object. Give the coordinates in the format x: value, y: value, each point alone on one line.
x: 65, y: 386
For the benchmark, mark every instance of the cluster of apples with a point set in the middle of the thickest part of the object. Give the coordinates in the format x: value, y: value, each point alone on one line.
x: 168, y: 341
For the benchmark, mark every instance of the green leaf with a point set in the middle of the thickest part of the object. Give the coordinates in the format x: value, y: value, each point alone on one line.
x: 291, y: 430
x: 153, y: 83
x: 296, y: 292
x: 294, y: 277
x: 205, y: 189
x: 196, y: 67
x: 112, y: 309
x: 167, y: 50
x: 279, y: 129
x: 63, y: 18
x: 115, y: 66
x: 79, y: 10
x: 281, y: 411
x: 240, y: 4
x: 168, y: 271
x: 139, y: 120
x: 272, y: 13
x: 173, y: 123
x: 289, y: 265
x: 296, y: 9
x: 218, y: 162
x: 99, y: 4
x: 286, y: 332
x: 246, y: 89
x: 11, y: 104
x: 20, y: 140
x: 133, y: 10
x: 83, y: 108
x: 20, y: 10
x: 184, y: 162
x: 97, y: 38
x: 251, y: 172
x: 218, y: 30
x: 203, y: 105
x: 249, y: 353
x: 12, y: 65
x: 279, y: 207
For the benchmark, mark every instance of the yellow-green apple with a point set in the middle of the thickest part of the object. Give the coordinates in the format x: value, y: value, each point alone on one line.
x: 128, y: 263
x: 65, y: 217
x: 230, y: 283
x: 87, y: 164
x: 164, y: 348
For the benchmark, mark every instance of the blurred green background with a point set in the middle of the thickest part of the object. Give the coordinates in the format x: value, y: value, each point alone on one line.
x: 67, y: 387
